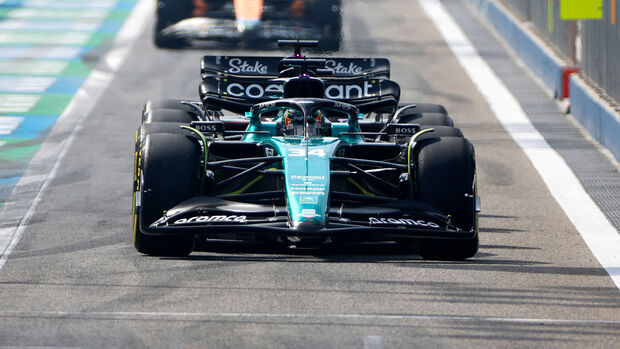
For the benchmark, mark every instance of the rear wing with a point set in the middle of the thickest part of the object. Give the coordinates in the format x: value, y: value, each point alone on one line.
x: 242, y: 93
x: 270, y: 67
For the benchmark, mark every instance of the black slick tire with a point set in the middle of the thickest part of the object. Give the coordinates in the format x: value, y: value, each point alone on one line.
x: 438, y: 131
x: 168, y: 115
x: 167, y: 173
x: 426, y: 119
x: 424, y: 108
x: 445, y: 178
x: 167, y: 104
x: 425, y: 114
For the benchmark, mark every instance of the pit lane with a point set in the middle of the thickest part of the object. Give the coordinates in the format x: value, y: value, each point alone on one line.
x: 75, y: 280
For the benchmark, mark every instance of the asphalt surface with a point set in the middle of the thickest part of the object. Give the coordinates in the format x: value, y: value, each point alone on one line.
x: 74, y: 279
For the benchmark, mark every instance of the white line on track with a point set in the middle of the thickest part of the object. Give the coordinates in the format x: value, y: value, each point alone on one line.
x: 598, y: 233
x: 8, y: 124
x: 56, y: 145
x: 30, y: 25
x: 36, y: 67
x: 46, y: 13
x: 31, y: 84
x: 39, y: 52
x: 64, y: 4
x: 14, y: 103
x: 198, y: 316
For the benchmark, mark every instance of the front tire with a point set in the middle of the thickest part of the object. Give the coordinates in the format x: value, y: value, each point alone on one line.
x: 445, y: 177
x: 167, y: 173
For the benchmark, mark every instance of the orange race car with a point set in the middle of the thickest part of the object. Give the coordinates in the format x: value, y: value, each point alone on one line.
x: 181, y: 23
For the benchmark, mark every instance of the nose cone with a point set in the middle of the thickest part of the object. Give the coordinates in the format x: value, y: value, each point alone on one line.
x: 248, y: 14
x: 246, y: 24
x: 309, y: 227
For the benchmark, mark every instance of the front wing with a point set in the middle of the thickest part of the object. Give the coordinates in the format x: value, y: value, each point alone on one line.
x: 222, y: 219
x: 202, y: 28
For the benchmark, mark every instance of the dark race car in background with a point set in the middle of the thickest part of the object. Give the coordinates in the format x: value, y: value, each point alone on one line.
x: 184, y: 22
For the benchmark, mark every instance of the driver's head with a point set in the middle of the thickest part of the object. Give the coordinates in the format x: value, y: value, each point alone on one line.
x: 293, y: 116
x: 294, y: 123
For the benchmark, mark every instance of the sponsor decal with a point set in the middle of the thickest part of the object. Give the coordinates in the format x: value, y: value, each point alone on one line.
x: 211, y: 219
x: 307, y: 199
x: 276, y: 89
x: 308, y: 184
x: 208, y: 126
x: 308, y: 213
x: 308, y: 192
x: 402, y: 129
x: 320, y: 152
x: 241, y: 66
x: 402, y: 221
x: 269, y: 151
x: 253, y: 90
x: 349, y: 91
x: 338, y: 68
x: 308, y: 178
x: 405, y: 130
x: 311, y: 189
x: 339, y: 105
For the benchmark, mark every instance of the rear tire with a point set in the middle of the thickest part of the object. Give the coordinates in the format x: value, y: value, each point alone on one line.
x: 445, y: 178
x: 424, y: 108
x: 426, y: 119
x: 167, y: 173
x: 439, y: 131
x: 167, y: 104
x: 425, y: 114
x: 168, y: 115
x: 160, y: 127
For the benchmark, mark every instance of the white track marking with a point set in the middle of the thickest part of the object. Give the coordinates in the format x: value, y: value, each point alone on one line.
x: 56, y: 145
x: 63, y: 4
x: 59, y: 38
x: 600, y: 236
x: 39, y: 52
x: 31, y: 84
x: 58, y: 13
x: 8, y: 124
x: 198, y: 316
x: 29, y: 25
x: 33, y: 67
x: 17, y: 103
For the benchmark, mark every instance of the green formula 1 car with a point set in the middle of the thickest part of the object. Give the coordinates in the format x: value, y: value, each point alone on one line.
x: 313, y: 157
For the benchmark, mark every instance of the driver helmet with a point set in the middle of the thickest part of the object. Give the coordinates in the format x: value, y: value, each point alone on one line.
x: 294, y: 123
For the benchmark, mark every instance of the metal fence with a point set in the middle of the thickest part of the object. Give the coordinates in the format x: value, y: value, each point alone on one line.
x: 599, y: 54
x: 601, y: 51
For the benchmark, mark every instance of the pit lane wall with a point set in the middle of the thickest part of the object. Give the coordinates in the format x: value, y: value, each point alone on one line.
x: 47, y: 50
x: 594, y: 93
